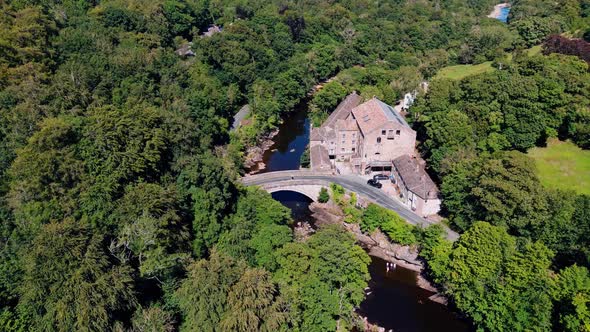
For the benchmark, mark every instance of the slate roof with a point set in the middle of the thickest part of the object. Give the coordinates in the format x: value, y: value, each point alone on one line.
x: 322, y: 134
x: 348, y: 124
x: 343, y: 109
x: 374, y: 114
x: 319, y: 157
x: 392, y: 114
x: 415, y: 177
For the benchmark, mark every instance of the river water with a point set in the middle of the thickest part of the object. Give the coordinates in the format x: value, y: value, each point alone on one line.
x: 290, y: 143
x: 504, y: 14
x: 394, y: 301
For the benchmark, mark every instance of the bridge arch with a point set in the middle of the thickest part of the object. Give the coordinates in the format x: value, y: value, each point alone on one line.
x: 311, y: 191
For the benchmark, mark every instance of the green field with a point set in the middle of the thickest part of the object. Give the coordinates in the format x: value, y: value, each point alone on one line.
x: 563, y: 165
x: 534, y: 50
x: 459, y: 72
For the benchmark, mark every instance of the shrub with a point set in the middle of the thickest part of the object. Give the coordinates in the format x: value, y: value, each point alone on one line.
x: 389, y: 222
x: 352, y: 214
x: 304, y: 160
x: 324, y: 196
x: 337, y: 193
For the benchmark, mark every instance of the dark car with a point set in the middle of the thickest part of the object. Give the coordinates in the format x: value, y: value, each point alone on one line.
x: 374, y: 183
x: 380, y: 177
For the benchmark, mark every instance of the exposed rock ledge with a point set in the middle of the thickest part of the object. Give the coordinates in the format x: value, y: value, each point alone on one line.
x: 377, y: 244
x: 254, y: 154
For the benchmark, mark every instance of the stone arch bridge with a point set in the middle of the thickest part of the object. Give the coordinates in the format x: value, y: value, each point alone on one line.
x: 309, y: 188
x: 309, y: 184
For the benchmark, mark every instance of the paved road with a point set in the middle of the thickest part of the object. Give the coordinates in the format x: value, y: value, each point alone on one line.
x: 242, y: 113
x: 349, y: 182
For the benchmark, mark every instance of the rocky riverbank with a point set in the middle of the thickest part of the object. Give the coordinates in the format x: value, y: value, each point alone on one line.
x: 377, y: 244
x: 255, y: 154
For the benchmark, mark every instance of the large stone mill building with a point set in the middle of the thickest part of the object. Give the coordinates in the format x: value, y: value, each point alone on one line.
x: 365, y: 137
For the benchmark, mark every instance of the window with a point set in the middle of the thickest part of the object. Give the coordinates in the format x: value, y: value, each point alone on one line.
x: 344, y: 136
x: 353, y: 150
x: 332, y: 143
x: 353, y: 135
x: 378, y: 140
x: 343, y: 142
x: 377, y: 153
x: 390, y: 132
x: 331, y: 151
x: 342, y: 149
x: 397, y: 132
x: 353, y: 142
x: 382, y: 132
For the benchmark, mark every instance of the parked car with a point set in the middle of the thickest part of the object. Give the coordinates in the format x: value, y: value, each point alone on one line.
x: 374, y: 183
x: 380, y: 177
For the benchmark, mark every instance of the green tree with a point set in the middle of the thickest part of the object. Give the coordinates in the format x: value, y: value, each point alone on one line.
x: 447, y: 131
x: 254, y: 304
x: 13, y: 322
x: 500, y: 286
x: 509, y: 194
x: 324, y: 196
x: 46, y: 175
x: 257, y: 229
x: 152, y: 319
x: 120, y: 146
x: 328, y: 97
x: 221, y: 294
x: 70, y: 282
x: 202, y: 295
x: 266, y: 241
x: 210, y: 190
x: 151, y: 229
x: 323, y: 279
x: 389, y: 222
x: 572, y: 293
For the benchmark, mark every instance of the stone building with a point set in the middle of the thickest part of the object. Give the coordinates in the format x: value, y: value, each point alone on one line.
x: 371, y: 136
x: 366, y: 135
x: 415, y: 187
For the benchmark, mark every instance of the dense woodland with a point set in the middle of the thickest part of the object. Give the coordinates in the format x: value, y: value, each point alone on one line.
x: 120, y: 207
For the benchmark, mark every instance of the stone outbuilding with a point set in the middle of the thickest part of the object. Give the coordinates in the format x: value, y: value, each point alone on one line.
x: 416, y: 188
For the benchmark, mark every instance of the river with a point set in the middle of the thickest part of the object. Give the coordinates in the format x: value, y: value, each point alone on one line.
x: 290, y: 143
x: 394, y: 301
x: 501, y: 12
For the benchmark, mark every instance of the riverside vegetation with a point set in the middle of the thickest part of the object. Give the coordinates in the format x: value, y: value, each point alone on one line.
x: 120, y: 207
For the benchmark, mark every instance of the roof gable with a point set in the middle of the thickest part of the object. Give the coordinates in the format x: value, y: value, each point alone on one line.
x: 374, y: 114
x: 415, y: 177
x: 343, y: 109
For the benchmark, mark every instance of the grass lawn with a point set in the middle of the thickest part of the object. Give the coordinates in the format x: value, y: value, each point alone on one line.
x: 459, y: 72
x: 563, y: 165
x: 534, y: 50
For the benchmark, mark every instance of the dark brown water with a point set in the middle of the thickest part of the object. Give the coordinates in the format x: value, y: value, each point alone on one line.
x: 394, y: 302
x: 298, y: 203
x: 290, y: 143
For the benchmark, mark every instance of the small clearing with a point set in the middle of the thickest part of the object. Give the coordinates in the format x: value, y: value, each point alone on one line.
x: 563, y: 165
x: 459, y: 72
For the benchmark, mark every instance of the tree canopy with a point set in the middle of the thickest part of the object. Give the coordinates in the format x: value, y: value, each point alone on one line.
x: 120, y: 205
